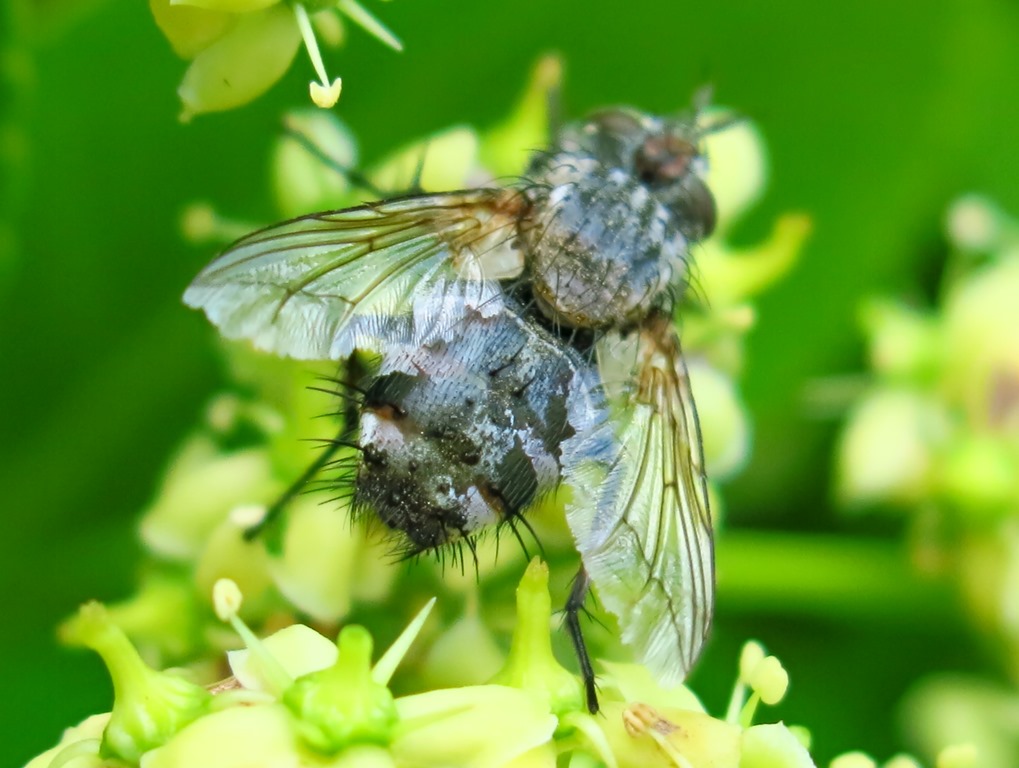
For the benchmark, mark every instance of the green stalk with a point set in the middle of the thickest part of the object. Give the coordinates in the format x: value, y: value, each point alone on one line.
x: 829, y: 576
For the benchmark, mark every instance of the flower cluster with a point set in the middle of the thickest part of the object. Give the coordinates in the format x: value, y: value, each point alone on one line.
x: 298, y: 699
x: 240, y: 48
x: 936, y: 436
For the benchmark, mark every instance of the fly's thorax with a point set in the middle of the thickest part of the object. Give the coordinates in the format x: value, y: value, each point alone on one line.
x: 465, y: 433
x: 615, y: 207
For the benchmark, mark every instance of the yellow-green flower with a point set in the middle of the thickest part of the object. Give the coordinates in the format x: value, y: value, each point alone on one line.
x: 240, y: 48
x: 298, y: 700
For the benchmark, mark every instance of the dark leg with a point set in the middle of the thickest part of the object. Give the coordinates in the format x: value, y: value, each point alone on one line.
x: 353, y: 371
x: 574, y: 605
x: 295, y: 488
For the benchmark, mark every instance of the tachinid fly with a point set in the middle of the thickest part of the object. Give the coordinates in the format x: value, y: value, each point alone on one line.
x: 521, y: 340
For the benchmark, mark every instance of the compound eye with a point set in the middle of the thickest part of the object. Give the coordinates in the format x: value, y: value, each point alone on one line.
x: 663, y: 158
x: 617, y: 122
x: 695, y: 206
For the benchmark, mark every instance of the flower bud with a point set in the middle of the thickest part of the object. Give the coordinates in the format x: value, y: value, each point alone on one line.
x: 303, y: 181
x: 227, y: 6
x: 853, y: 760
x: 198, y: 492
x: 905, y: 345
x: 725, y: 425
x: 958, y: 756
x: 342, y: 705
x: 149, y: 707
x: 531, y: 665
x: 974, y: 223
x: 504, y: 147
x: 738, y: 167
x: 445, y: 160
x: 465, y: 654
x: 902, y: 761
x: 318, y: 566
x: 978, y: 475
x: 886, y: 451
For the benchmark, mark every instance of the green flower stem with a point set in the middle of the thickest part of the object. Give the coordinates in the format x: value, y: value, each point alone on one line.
x: 833, y: 576
x: 342, y: 705
x: 531, y: 665
x: 149, y: 707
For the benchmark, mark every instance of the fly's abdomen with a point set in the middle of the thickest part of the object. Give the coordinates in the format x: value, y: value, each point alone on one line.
x: 461, y: 434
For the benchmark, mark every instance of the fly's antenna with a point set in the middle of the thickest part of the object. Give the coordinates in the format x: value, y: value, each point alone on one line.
x: 696, y: 120
x: 702, y: 99
x: 718, y: 124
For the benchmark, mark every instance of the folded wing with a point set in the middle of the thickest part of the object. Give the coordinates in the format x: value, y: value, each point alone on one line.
x: 320, y: 286
x: 640, y: 512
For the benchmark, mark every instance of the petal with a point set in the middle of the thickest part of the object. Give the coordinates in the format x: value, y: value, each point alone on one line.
x: 449, y: 158
x: 227, y: 6
x: 738, y: 169
x: 725, y: 426
x: 88, y: 730
x: 729, y: 276
x: 188, y: 29
x: 240, y: 737
x: 773, y: 746
x: 635, y: 683
x: 642, y: 736
x: 304, y: 182
x: 242, y: 64
x: 317, y: 568
x: 298, y: 649
x: 887, y: 448
x: 482, y: 726
x: 198, y: 492
x: 981, y: 342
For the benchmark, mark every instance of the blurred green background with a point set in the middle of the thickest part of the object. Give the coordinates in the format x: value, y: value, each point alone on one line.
x: 876, y: 116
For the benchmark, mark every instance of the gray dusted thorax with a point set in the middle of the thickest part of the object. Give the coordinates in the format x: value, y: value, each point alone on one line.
x: 617, y: 202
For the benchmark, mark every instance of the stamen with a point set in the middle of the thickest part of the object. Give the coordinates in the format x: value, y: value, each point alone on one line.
x: 324, y: 93
x: 385, y: 666
x: 770, y: 680
x: 226, y: 600
x: 360, y: 16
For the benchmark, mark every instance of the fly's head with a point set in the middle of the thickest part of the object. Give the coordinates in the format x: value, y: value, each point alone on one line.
x: 617, y: 201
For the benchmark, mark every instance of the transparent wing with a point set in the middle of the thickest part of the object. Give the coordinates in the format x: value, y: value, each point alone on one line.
x: 640, y: 512
x: 319, y: 286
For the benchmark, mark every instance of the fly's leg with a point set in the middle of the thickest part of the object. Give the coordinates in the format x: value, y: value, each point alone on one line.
x: 353, y: 370
x: 574, y: 605
x: 274, y: 510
